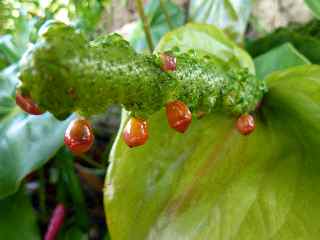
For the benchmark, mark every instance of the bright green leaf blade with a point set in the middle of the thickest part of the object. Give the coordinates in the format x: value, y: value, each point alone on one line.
x: 279, y: 58
x: 213, y: 183
x: 305, y: 38
x: 230, y: 15
x: 27, y: 142
x: 18, y: 219
x: 314, y: 6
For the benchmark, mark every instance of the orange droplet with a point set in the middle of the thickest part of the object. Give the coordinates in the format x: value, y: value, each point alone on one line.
x: 135, y: 132
x: 79, y: 136
x: 27, y: 104
x: 179, y: 116
x: 245, y: 124
x: 168, y: 63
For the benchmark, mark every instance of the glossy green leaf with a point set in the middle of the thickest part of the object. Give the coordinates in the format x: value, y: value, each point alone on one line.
x: 277, y: 59
x: 230, y: 15
x: 18, y: 220
x: 314, y: 6
x: 27, y: 142
x: 214, y: 183
x: 305, y: 38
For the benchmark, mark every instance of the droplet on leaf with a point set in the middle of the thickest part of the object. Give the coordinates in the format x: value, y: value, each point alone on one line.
x: 179, y: 116
x: 246, y: 124
x: 135, y: 132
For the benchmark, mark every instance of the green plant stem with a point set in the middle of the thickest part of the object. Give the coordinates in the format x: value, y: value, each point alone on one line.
x: 72, y: 183
x: 166, y: 13
x: 91, y: 162
x: 146, y: 25
x: 42, y: 193
x: 187, y: 15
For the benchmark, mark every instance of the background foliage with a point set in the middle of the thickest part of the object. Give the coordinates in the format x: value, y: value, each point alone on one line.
x: 258, y: 187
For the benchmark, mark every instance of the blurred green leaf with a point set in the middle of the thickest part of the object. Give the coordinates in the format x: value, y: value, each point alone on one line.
x: 72, y: 233
x: 230, y: 15
x: 87, y: 13
x: 18, y: 219
x: 158, y: 23
x: 279, y: 58
x: 107, y: 237
x: 214, y: 183
x: 8, y: 81
x: 8, y: 50
x: 15, y: 42
x: 71, y: 185
x: 27, y: 142
x: 30, y: 141
x: 5, y: 16
x: 305, y: 38
x: 24, y: 26
x: 20, y: 21
x: 314, y: 6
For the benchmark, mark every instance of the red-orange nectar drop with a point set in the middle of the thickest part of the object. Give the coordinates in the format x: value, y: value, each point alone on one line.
x: 168, y: 63
x: 27, y: 104
x: 179, y: 116
x: 246, y: 124
x: 135, y: 132
x: 79, y: 136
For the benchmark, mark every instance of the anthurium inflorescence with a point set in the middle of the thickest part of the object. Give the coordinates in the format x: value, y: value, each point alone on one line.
x: 65, y: 73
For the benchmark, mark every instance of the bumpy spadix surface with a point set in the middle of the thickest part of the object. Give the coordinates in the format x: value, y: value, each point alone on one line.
x: 65, y: 72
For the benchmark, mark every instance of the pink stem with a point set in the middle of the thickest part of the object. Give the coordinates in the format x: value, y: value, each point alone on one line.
x: 56, y: 222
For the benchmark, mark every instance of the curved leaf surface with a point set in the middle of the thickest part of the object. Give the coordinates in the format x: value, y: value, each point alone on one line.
x: 314, y: 6
x: 279, y: 58
x: 213, y: 183
x: 27, y: 142
x: 304, y: 37
x: 18, y: 220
